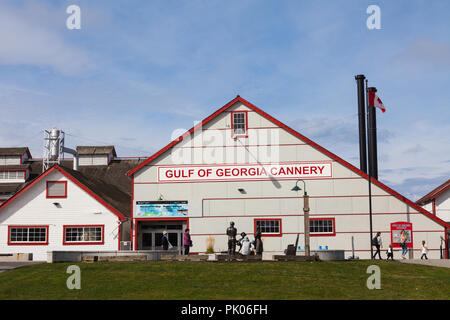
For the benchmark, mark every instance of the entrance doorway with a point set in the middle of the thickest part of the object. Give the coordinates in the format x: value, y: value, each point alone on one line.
x: 150, y: 234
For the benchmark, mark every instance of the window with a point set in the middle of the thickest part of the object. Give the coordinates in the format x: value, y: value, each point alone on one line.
x: 83, y: 235
x: 269, y: 227
x: 9, y: 160
x: 239, y: 123
x: 27, y: 235
x: 56, y: 189
x: 322, y: 227
x: 12, y: 175
x: 93, y: 160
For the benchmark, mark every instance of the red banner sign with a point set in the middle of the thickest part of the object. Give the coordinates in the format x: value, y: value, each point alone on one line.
x: 280, y: 171
x: 396, y: 229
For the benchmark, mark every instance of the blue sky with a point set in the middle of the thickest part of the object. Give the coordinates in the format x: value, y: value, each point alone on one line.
x: 137, y: 70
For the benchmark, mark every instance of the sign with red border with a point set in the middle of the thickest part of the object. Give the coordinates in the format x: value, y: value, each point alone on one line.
x: 396, y: 229
x: 279, y: 171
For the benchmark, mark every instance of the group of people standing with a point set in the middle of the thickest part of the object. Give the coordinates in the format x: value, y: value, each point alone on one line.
x: 245, y: 246
x: 187, y: 242
x: 377, y: 243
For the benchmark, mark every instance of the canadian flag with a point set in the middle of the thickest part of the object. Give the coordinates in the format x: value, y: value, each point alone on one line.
x: 374, y: 101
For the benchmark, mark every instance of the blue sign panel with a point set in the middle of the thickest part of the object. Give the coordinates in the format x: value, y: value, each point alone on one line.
x: 161, y: 209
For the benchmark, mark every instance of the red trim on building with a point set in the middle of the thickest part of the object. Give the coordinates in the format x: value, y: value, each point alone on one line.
x: 268, y: 234
x: 301, y: 137
x: 294, y: 197
x: 120, y: 231
x: 288, y: 179
x: 246, y: 146
x: 56, y: 197
x: 314, y: 234
x: 311, y: 215
x: 71, y: 178
x: 436, y: 192
x: 132, y: 211
x: 446, y: 230
x: 27, y: 243
x: 84, y: 243
x: 434, y: 206
x: 285, y: 233
x: 244, y: 135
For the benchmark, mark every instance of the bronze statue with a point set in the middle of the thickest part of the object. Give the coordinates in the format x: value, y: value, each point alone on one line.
x: 231, y: 233
x: 258, y: 241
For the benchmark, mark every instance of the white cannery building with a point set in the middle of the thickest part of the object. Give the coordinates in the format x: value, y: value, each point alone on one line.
x: 240, y: 164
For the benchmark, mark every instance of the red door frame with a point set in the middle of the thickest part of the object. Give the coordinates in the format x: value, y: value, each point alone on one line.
x: 137, y: 220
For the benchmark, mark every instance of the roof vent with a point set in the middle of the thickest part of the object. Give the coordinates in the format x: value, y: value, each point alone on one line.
x: 96, y: 155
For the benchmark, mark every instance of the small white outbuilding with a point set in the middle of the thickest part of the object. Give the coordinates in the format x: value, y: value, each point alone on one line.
x: 61, y: 210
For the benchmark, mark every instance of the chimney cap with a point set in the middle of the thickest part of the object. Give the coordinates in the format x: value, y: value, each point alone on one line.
x: 359, y: 76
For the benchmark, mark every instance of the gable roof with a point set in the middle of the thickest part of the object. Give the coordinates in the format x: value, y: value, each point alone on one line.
x: 15, y: 151
x: 96, y: 150
x: 108, y: 195
x: 7, y: 188
x: 434, y: 193
x: 298, y: 135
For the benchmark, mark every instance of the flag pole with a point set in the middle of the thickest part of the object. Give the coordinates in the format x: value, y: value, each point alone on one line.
x: 369, y: 148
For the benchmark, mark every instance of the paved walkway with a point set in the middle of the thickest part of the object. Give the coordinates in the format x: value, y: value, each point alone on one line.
x: 431, y: 262
x: 8, y: 265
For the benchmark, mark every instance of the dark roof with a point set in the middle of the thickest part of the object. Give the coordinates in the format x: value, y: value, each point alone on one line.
x: 115, y: 173
x: 16, y: 166
x: 14, y: 151
x: 97, y: 150
x: 434, y: 193
x: 110, y: 193
x: 6, y: 189
x: 110, y: 183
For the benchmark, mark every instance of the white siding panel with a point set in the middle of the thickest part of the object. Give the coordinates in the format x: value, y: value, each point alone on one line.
x: 9, y: 160
x: 79, y: 208
x: 344, y: 197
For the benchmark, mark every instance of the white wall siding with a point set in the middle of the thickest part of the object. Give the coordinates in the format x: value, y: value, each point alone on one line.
x: 9, y: 160
x: 212, y: 205
x: 443, y: 206
x: 79, y: 208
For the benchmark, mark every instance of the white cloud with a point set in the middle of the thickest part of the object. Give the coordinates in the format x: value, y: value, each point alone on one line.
x: 33, y: 35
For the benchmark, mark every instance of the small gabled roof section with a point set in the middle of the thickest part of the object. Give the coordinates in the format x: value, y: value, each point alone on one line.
x: 298, y: 135
x: 109, y: 196
x: 96, y: 150
x: 434, y: 193
x: 15, y: 151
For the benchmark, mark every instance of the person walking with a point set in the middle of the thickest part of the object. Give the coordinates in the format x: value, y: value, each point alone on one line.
x: 403, y: 239
x: 165, y: 241
x: 424, y: 251
x: 390, y: 253
x: 376, y: 241
x: 187, y: 242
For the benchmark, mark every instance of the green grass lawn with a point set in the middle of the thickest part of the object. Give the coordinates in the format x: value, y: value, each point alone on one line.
x: 197, y: 280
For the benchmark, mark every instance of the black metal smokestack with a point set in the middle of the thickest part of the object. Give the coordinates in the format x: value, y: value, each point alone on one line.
x: 362, y: 122
x: 372, y: 135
